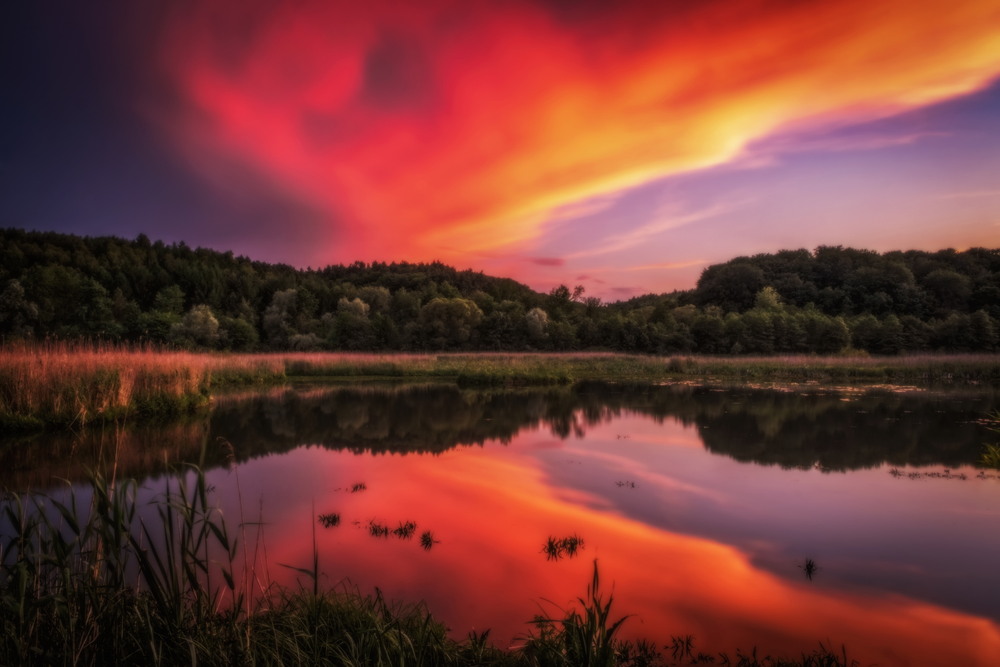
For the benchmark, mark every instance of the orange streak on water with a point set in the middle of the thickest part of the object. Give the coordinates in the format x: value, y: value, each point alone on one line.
x: 492, y: 509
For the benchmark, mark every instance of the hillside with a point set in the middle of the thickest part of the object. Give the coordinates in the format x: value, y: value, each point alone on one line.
x: 70, y: 287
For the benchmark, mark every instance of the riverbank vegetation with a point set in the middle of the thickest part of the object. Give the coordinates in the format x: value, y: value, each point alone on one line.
x: 991, y: 451
x: 108, y: 582
x: 63, y: 287
x: 65, y: 384
x: 772, y: 426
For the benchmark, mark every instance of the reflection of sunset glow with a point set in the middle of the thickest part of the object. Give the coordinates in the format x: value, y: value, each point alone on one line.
x: 431, y: 130
x: 492, y: 509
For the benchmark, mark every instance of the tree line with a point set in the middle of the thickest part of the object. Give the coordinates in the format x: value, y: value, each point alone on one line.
x: 60, y: 286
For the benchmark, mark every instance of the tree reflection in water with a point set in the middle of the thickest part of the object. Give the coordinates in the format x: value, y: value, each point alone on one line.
x: 810, y: 428
x: 695, y: 540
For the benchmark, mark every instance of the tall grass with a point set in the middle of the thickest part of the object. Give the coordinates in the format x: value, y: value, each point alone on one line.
x: 990, y: 457
x: 917, y: 368
x: 68, y: 384
x: 581, y: 639
x: 62, y: 383
x: 95, y: 583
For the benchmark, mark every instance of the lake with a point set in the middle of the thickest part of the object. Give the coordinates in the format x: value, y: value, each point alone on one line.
x: 770, y: 517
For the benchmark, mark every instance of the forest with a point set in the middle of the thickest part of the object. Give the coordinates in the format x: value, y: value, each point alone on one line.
x: 833, y: 299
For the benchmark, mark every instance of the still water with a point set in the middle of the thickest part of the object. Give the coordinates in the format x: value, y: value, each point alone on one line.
x: 702, y: 506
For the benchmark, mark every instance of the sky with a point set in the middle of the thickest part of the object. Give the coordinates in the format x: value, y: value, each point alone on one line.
x: 621, y: 146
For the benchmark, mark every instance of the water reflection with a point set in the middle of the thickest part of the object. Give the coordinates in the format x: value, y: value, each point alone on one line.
x: 802, y: 429
x: 791, y: 429
x: 492, y: 508
x: 893, y: 555
x: 43, y: 460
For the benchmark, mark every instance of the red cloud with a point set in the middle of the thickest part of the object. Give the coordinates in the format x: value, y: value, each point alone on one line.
x: 433, y: 129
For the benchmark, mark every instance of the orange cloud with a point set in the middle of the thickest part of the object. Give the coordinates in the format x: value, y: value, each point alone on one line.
x: 433, y: 129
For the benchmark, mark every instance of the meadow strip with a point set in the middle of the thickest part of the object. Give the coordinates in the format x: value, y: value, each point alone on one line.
x: 64, y: 384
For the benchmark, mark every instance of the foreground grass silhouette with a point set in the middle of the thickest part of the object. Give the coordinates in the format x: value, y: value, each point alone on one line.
x: 88, y: 581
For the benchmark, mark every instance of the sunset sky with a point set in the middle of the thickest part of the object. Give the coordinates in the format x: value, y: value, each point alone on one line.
x: 622, y: 146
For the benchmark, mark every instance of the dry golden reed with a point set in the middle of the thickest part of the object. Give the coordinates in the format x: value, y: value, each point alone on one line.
x: 76, y: 384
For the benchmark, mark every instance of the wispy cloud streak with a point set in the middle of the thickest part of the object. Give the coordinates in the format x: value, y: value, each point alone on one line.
x: 442, y: 128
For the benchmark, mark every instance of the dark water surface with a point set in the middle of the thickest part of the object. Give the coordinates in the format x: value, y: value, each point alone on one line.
x: 703, y: 506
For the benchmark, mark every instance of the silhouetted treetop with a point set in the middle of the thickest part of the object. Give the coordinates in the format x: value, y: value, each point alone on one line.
x: 103, y: 288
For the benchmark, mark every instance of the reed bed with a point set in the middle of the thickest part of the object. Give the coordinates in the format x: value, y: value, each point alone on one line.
x: 68, y: 384
x: 95, y: 583
x: 525, y: 369
x: 917, y: 368
x: 990, y: 457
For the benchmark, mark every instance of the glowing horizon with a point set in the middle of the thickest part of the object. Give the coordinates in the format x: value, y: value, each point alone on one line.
x: 454, y: 132
x: 623, y: 146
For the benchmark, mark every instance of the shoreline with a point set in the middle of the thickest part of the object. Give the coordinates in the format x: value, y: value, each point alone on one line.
x: 64, y: 386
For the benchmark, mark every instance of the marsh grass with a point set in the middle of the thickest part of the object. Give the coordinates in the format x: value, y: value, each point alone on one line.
x: 427, y: 540
x: 99, y: 581
x: 556, y: 548
x: 100, y: 584
x: 990, y: 457
x: 683, y: 652
x: 584, y: 638
x: 551, y: 548
x: 67, y: 384
x: 376, y: 529
x: 917, y: 368
x: 405, y: 530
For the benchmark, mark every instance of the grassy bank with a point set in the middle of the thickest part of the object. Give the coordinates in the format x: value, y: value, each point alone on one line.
x: 69, y: 385
x: 95, y: 584
x: 491, y: 369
